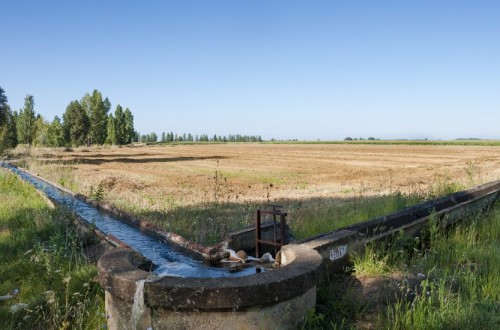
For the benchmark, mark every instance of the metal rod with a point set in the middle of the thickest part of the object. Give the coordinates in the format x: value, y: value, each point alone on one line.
x: 257, y: 234
x: 282, y: 229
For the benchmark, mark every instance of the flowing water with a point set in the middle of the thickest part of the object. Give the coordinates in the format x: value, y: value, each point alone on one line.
x: 167, y: 260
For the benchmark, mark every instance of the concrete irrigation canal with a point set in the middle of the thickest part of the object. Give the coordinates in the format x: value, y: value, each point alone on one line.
x: 184, y: 285
x: 168, y: 261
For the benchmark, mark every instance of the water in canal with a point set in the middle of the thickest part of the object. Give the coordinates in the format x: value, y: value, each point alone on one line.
x: 167, y: 260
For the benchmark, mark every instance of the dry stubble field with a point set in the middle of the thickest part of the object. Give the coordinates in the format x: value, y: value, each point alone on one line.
x: 164, y: 182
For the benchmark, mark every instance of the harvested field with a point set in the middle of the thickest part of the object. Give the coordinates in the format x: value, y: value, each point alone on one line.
x: 186, y: 172
x: 154, y: 181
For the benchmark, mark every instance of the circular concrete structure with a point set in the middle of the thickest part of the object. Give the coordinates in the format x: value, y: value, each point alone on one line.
x: 267, y: 300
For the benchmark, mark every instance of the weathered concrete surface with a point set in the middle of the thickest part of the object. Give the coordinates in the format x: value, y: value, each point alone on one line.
x: 119, y: 272
x: 282, y: 315
x: 119, y: 315
x: 299, y: 275
x: 336, y: 249
x: 286, y: 314
x: 268, y: 300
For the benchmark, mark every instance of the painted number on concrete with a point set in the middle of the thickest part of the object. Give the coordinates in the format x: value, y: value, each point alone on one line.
x: 338, y: 252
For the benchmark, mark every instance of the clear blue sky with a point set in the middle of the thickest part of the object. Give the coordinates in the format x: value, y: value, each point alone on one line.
x: 281, y: 69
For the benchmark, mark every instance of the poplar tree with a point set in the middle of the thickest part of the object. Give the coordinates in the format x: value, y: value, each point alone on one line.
x: 112, y: 136
x: 130, y: 134
x: 98, y: 118
x: 26, y: 123
x: 121, y: 136
x: 42, y: 132
x: 56, y: 133
x: 8, y: 131
x: 76, y: 124
x: 3, y: 108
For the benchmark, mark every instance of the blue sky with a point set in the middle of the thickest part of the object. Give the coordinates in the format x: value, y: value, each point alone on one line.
x: 281, y: 69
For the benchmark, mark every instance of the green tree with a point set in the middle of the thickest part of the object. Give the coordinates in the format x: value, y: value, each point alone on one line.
x: 112, y: 136
x: 41, y: 132
x: 26, y: 123
x: 121, y: 134
x: 76, y: 124
x: 130, y: 134
x: 85, y: 103
x: 8, y: 131
x: 56, y: 133
x: 8, y: 134
x: 3, y: 108
x: 98, y: 117
x: 153, y: 137
x: 120, y: 127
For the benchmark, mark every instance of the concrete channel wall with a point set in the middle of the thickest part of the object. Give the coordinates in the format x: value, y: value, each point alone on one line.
x: 337, y: 248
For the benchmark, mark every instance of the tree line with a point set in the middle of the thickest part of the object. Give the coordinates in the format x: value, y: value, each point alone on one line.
x: 360, y: 139
x: 171, y: 137
x: 85, y: 122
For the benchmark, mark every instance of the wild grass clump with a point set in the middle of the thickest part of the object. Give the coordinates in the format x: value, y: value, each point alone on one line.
x: 42, y: 267
x: 445, y: 279
x: 462, y: 285
x: 372, y: 262
x: 324, y: 215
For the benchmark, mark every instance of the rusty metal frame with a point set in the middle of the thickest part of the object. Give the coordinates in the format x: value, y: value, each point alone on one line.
x: 277, y: 243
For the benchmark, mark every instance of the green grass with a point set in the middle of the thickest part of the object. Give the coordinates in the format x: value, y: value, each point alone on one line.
x: 373, y: 262
x: 459, y: 286
x: 41, y: 256
x: 316, y: 216
x: 207, y: 223
x: 462, y: 279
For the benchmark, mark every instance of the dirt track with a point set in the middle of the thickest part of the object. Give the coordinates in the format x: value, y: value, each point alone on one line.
x: 185, y: 174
